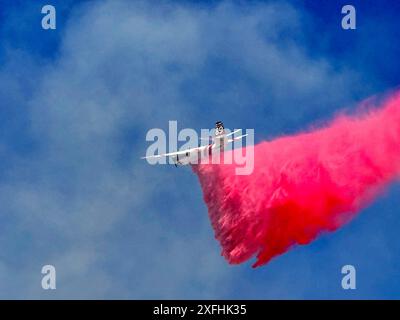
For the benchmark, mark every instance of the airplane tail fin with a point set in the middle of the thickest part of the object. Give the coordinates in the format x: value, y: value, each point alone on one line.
x: 220, y: 136
x: 219, y: 128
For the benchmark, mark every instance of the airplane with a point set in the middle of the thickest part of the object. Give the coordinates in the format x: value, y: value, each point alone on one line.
x: 190, y: 156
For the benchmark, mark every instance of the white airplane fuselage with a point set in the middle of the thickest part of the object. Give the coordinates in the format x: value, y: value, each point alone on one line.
x: 194, y: 157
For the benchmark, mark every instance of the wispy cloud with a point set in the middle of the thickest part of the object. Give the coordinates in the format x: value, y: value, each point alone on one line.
x: 76, y: 194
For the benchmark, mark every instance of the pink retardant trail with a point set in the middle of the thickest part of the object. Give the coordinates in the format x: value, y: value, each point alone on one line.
x: 303, y: 184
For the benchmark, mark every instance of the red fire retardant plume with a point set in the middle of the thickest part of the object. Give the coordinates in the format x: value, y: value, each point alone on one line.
x: 302, y: 185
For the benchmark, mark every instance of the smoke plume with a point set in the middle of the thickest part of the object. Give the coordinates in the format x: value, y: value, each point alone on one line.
x: 303, y: 185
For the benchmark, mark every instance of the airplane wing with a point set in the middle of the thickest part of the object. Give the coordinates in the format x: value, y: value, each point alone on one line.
x: 233, y: 132
x: 238, y: 138
x: 227, y: 135
x: 164, y: 155
x: 175, y: 153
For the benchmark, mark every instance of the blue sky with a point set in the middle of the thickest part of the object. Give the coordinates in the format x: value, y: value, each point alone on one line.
x: 76, y: 104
